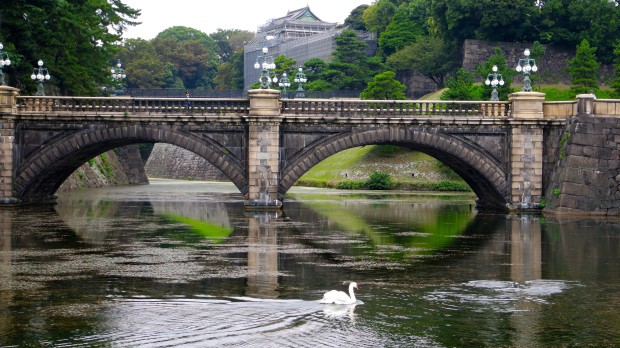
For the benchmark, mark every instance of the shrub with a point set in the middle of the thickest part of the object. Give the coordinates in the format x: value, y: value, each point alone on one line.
x: 379, y: 181
x: 351, y: 185
x: 461, y: 87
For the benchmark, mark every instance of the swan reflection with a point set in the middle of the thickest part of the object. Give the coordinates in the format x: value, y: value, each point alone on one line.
x: 340, y: 311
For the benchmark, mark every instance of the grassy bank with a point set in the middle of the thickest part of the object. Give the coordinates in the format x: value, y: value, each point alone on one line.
x: 407, y: 169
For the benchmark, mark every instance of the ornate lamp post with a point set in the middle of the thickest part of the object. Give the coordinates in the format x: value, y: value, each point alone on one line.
x: 265, y: 62
x: 284, y: 84
x: 119, y: 75
x: 4, y: 61
x: 40, y: 74
x: 494, y: 79
x: 527, y: 65
x: 300, y: 78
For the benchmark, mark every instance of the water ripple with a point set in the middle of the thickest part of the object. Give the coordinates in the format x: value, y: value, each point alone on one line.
x: 499, y: 296
x: 231, y: 322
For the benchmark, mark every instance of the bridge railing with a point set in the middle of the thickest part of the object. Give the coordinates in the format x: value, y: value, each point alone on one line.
x: 399, y: 108
x: 607, y: 107
x: 241, y: 106
x: 99, y: 105
x: 560, y: 109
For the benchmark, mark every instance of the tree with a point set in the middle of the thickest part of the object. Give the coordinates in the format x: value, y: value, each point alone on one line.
x: 230, y: 41
x: 350, y: 69
x: 569, y: 22
x: 349, y: 49
x: 497, y: 59
x: 429, y: 56
x: 495, y: 20
x: 385, y: 87
x: 192, y: 53
x: 461, y: 87
x: 355, y: 21
x: 314, y: 69
x: 285, y: 64
x: 75, y: 39
x: 230, y: 73
x: 379, y: 14
x: 584, y: 69
x: 141, y: 63
x: 409, y: 22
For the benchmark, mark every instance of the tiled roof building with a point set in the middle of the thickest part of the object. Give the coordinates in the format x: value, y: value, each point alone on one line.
x: 300, y: 35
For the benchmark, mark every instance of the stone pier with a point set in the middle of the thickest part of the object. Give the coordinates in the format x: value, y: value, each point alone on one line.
x: 263, y: 149
x: 526, y: 150
x: 7, y: 140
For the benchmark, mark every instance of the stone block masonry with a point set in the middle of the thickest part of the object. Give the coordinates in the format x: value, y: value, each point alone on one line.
x: 586, y: 179
x: 172, y: 162
x: 553, y: 66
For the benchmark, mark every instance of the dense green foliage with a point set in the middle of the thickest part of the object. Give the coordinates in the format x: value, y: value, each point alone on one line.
x: 461, y: 87
x: 428, y: 55
x: 409, y: 29
x: 497, y: 59
x: 77, y: 41
x: 350, y: 68
x: 384, y: 87
x: 355, y: 21
x: 80, y: 41
x: 584, y: 69
x: 379, y: 181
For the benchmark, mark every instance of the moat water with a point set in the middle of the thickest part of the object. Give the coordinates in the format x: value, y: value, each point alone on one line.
x: 183, y: 264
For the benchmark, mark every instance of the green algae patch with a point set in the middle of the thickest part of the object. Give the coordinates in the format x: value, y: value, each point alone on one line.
x: 212, y: 232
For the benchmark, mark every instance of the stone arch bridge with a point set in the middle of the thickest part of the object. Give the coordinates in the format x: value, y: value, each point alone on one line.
x: 264, y: 143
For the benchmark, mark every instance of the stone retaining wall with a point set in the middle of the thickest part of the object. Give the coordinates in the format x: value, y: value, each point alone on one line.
x: 552, y: 68
x: 586, y: 179
x: 122, y: 166
x: 172, y: 162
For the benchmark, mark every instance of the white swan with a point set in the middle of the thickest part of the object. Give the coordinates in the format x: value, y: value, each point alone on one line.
x: 340, y: 297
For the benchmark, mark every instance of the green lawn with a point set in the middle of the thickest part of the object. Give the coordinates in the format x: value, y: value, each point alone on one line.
x: 407, y: 168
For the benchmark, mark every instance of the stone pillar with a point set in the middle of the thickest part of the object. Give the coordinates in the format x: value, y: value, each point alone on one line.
x: 585, y: 104
x: 8, y: 109
x: 263, y: 149
x: 526, y: 150
x: 527, y: 104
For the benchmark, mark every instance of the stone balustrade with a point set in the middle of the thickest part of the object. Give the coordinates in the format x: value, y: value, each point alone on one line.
x: 396, y: 108
x: 106, y: 105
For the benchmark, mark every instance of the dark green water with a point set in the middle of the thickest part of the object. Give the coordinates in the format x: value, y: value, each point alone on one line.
x: 183, y: 264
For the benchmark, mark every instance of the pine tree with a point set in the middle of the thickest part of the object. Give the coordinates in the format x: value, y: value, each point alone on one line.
x: 384, y: 86
x: 584, y: 68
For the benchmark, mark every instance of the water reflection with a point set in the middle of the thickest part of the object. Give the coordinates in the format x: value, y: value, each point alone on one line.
x: 132, y: 269
x: 525, y: 247
x: 262, y: 254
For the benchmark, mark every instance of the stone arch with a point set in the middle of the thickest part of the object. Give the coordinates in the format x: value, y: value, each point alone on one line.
x: 38, y: 178
x: 483, y: 174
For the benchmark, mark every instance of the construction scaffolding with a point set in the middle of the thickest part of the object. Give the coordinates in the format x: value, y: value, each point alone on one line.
x: 300, y: 35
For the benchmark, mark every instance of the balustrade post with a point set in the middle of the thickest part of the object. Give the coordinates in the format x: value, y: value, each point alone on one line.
x: 8, y: 100
x: 263, y: 149
x: 585, y: 104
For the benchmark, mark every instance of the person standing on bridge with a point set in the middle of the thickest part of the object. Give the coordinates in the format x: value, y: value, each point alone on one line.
x: 187, y: 102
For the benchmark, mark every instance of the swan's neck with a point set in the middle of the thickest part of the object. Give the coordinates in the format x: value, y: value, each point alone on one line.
x: 351, y: 293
